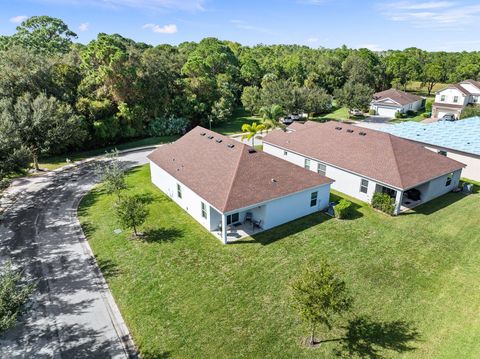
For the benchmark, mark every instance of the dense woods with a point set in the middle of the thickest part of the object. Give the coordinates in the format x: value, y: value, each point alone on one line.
x: 57, y: 95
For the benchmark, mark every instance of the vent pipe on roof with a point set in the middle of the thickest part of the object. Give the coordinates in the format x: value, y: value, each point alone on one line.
x: 362, y: 133
x: 338, y: 128
x: 230, y: 145
x: 210, y: 137
x: 203, y: 134
x: 218, y: 141
x: 350, y: 131
x: 274, y: 180
x: 251, y: 150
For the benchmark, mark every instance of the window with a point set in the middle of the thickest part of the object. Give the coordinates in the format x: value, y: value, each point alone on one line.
x: 322, y: 169
x: 233, y: 218
x: 442, y: 98
x: 449, y: 180
x: 285, y: 153
x: 204, y: 210
x: 455, y: 99
x: 179, y: 190
x: 313, y: 199
x: 307, y: 163
x: 443, y: 153
x: 364, y: 186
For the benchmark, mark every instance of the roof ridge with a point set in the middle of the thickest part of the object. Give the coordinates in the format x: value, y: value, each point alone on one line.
x: 390, y: 137
x: 237, y: 166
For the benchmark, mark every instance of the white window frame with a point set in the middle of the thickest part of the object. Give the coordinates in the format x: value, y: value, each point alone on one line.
x: 204, y: 210
x: 179, y: 191
x: 364, y: 186
x: 322, y: 169
x: 313, y: 199
x: 442, y: 98
x: 455, y: 99
x: 307, y: 163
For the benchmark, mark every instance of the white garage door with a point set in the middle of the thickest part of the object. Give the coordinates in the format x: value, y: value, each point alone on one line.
x: 386, y: 111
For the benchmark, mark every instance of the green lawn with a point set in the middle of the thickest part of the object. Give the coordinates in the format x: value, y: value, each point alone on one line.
x: 416, y: 87
x: 183, y: 294
x: 53, y: 162
x: 234, y: 125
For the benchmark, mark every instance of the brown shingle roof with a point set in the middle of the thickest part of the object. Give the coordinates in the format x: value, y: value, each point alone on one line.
x: 455, y: 86
x: 231, y: 178
x: 377, y: 155
x: 403, y: 98
x: 446, y: 105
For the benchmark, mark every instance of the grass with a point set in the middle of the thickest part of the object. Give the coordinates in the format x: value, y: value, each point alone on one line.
x: 240, y: 116
x: 53, y: 162
x: 417, y: 88
x: 183, y: 294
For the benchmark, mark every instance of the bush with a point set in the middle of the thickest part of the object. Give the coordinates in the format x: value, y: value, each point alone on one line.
x: 426, y: 114
x: 398, y: 114
x: 428, y: 105
x: 343, y: 209
x: 4, y: 183
x: 411, y: 113
x: 162, y: 126
x: 383, y: 202
x: 372, y: 112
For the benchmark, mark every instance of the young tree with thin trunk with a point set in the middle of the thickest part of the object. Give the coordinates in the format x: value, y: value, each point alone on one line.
x: 131, y: 212
x: 319, y: 294
x: 250, y: 131
x: 112, y: 174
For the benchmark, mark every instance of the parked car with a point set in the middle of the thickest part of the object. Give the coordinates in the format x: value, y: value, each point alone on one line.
x: 356, y: 112
x: 448, y: 117
x: 295, y: 116
x: 287, y: 120
x: 413, y: 194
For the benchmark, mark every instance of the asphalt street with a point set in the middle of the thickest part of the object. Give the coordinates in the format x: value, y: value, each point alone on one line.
x: 72, y: 313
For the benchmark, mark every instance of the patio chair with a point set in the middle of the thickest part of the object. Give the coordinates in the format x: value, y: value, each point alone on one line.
x: 257, y: 224
x: 248, y: 217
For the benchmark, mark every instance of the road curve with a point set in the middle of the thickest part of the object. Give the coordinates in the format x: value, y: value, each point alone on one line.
x: 72, y: 314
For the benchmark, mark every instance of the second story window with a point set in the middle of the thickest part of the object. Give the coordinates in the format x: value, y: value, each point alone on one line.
x: 455, y: 99
x: 307, y: 163
x: 442, y: 98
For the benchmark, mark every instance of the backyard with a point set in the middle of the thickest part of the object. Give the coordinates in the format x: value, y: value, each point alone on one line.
x: 184, y: 294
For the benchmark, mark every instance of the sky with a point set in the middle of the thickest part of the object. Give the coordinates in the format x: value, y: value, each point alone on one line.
x: 377, y: 25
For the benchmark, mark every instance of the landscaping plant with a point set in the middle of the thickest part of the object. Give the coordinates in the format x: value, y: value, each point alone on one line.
x: 383, y: 202
x: 131, y: 212
x: 343, y: 209
x: 319, y: 295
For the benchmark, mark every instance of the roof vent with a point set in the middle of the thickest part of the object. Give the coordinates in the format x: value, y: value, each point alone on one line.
x: 274, y: 180
x: 218, y: 141
x: 362, y: 133
x: 350, y: 131
x: 203, y: 134
x: 230, y: 145
x: 338, y: 128
x: 210, y: 137
x: 251, y: 150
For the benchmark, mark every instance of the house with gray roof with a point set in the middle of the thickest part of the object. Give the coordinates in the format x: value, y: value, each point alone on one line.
x: 458, y: 140
x: 453, y: 98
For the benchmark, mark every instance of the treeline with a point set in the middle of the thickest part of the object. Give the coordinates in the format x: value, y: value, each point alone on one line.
x: 57, y: 95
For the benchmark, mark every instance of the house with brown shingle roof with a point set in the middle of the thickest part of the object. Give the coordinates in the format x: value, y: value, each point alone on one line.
x: 230, y: 188
x: 364, y: 161
x: 387, y: 103
x: 453, y: 98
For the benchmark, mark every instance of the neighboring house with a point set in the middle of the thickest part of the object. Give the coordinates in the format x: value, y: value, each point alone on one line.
x: 459, y: 140
x: 364, y: 161
x: 387, y: 103
x: 218, y: 180
x: 455, y: 97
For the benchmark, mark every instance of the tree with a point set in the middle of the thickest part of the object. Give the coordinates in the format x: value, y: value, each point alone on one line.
x: 470, y: 111
x: 112, y: 175
x: 251, y: 98
x: 13, y: 295
x: 131, y: 212
x: 271, y: 116
x: 432, y: 74
x: 40, y: 124
x: 319, y: 294
x: 45, y: 35
x: 354, y: 95
x: 250, y: 131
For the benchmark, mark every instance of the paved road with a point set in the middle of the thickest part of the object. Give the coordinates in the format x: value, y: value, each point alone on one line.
x: 72, y: 314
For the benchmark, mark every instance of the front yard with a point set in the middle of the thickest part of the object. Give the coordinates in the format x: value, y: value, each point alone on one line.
x: 185, y: 295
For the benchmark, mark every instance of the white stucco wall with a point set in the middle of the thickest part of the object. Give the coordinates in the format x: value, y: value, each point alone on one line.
x: 472, y: 171
x: 437, y: 187
x: 449, y: 94
x: 345, y: 182
x: 190, y: 201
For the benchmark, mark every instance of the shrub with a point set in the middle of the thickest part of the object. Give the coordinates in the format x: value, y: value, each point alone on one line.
x: 411, y: 113
x: 372, y: 112
x: 343, y: 209
x: 162, y: 126
x: 4, y: 183
x: 428, y: 105
x: 383, y: 202
x: 398, y: 114
x: 426, y: 114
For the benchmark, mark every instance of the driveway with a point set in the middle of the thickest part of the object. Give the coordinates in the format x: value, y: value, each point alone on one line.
x: 72, y: 314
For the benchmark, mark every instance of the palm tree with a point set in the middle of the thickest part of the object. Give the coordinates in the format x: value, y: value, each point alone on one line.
x: 271, y: 115
x: 250, y: 131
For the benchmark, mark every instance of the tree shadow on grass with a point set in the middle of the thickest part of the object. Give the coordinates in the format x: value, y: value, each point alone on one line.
x: 108, y: 268
x: 366, y: 338
x: 158, y: 235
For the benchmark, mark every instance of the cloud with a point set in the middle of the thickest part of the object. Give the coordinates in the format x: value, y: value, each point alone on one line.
x: 165, y: 29
x: 432, y: 14
x: 152, y: 5
x: 243, y: 25
x: 312, y: 39
x: 84, y: 26
x: 18, y: 19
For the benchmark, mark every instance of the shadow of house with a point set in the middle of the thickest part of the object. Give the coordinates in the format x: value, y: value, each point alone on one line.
x: 366, y: 338
x: 435, y: 204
